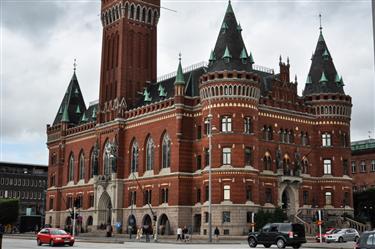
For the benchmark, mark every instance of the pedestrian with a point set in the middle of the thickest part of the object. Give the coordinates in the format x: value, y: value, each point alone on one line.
x: 179, y: 233
x: 147, y: 231
x: 184, y: 233
x: 217, y: 233
x: 109, y: 230
x: 36, y: 229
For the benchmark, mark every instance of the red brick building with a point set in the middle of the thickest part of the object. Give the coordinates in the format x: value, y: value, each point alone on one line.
x: 363, y: 164
x: 144, y: 145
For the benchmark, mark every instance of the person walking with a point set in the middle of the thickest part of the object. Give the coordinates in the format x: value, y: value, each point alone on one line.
x: 109, y: 230
x: 217, y: 233
x: 179, y: 233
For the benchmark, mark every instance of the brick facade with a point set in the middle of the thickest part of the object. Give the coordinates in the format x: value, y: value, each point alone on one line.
x: 267, y: 146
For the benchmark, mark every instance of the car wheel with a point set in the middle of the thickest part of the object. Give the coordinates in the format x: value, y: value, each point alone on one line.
x: 296, y: 246
x: 356, y: 239
x: 267, y: 245
x: 341, y: 240
x: 280, y: 243
x: 252, y: 242
x: 51, y: 243
x: 71, y: 244
x: 39, y: 243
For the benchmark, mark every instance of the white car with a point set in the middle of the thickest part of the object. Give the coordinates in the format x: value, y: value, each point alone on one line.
x: 343, y: 235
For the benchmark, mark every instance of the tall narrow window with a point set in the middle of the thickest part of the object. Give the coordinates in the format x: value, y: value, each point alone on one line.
x: 267, y: 161
x: 363, y: 167
x: 92, y: 162
x: 133, y: 198
x: 107, y: 159
x: 81, y: 166
x: 326, y: 140
x: 147, y: 197
x: 226, y: 193
x: 166, y: 155
x: 304, y: 138
x: 134, y: 157
x: 226, y: 124
x: 249, y: 193
x: 206, y: 193
x: 269, y: 195
x: 199, y: 162
x: 305, y: 197
x: 71, y: 168
x: 248, y: 157
x: 327, y: 166
x: 226, y: 156
x: 206, y: 156
x: 247, y: 125
x: 199, y: 132
x: 373, y: 165
x: 346, y: 200
x: 150, y: 154
x: 328, y: 198
x: 207, y: 128
x: 354, y: 167
x: 198, y: 195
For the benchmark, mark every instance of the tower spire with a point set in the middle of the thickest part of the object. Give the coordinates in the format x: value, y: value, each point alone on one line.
x: 320, y: 22
x: 75, y: 65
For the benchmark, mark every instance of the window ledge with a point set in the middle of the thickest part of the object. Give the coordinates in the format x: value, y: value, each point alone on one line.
x: 198, y: 204
x: 133, y: 175
x: 226, y: 166
x: 164, y: 205
x: 226, y: 202
x: 148, y: 173
x: 250, y: 203
x: 269, y: 205
x: 165, y: 171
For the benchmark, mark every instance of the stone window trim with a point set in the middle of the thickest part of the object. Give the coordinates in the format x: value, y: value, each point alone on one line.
x: 227, y: 156
x: 226, y: 193
x: 226, y: 123
x: 327, y: 166
x: 326, y: 139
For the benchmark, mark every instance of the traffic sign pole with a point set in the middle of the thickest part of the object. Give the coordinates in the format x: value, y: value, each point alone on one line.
x: 320, y: 225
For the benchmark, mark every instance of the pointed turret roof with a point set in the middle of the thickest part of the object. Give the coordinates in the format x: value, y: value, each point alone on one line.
x: 322, y: 72
x: 72, y: 106
x: 229, y: 42
x: 180, y: 75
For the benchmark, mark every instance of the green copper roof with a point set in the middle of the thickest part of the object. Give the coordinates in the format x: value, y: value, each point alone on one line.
x: 323, y: 79
x: 180, y: 75
x: 325, y: 55
x: 224, y: 26
x: 84, y: 118
x: 65, y: 117
x: 243, y: 55
x: 337, y: 79
x: 61, y: 110
x: 94, y: 113
x: 308, y: 80
x: 146, y: 96
x: 212, y: 56
x: 227, y: 53
x: 239, y: 28
x: 78, y: 110
x: 321, y: 38
x: 162, y: 92
x: 251, y: 58
x: 229, y: 8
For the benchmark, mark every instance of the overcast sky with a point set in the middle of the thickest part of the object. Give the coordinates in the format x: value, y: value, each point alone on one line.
x: 40, y: 39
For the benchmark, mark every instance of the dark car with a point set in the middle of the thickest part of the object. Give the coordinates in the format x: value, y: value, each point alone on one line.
x: 366, y: 241
x: 280, y: 234
x: 54, y: 236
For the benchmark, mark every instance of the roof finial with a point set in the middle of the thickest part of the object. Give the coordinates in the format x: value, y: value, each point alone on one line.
x: 179, y: 56
x: 75, y: 65
x: 320, y: 22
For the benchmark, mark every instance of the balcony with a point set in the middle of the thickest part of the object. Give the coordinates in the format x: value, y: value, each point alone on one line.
x: 289, y: 176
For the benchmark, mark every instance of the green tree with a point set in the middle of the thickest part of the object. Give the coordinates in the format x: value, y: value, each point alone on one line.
x: 8, y: 211
x: 263, y: 217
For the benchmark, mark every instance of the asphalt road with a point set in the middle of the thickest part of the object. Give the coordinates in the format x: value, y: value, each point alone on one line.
x: 14, y: 243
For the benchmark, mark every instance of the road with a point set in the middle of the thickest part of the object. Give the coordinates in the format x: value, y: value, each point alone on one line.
x: 13, y: 243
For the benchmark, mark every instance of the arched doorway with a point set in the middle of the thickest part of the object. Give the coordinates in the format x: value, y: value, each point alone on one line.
x: 164, y: 226
x: 104, y: 209
x: 132, y: 224
x: 146, y: 222
x: 289, y: 202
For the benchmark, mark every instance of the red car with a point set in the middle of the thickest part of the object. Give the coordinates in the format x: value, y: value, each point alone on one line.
x: 325, y: 234
x: 54, y: 236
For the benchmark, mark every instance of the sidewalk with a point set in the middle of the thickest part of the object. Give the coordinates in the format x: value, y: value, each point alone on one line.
x: 197, y: 239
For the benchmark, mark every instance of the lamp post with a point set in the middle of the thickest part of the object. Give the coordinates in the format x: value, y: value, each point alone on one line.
x: 210, y: 175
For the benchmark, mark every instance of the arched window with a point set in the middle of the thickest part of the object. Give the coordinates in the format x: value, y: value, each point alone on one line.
x: 267, y: 161
x: 131, y: 11
x: 81, y: 172
x: 134, y: 159
x: 138, y: 13
x: 92, y: 161
x: 149, y: 16
x: 166, y: 152
x: 143, y: 14
x: 149, y: 154
x: 107, y: 159
x: 71, y: 168
x: 305, y: 166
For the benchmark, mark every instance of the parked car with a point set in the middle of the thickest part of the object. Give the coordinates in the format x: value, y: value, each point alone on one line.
x: 280, y: 234
x: 54, y: 236
x: 343, y: 235
x: 366, y: 241
x: 325, y: 234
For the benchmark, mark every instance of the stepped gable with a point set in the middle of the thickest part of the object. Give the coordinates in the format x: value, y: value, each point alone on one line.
x: 323, y: 77
x: 73, y: 105
x: 230, y: 52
